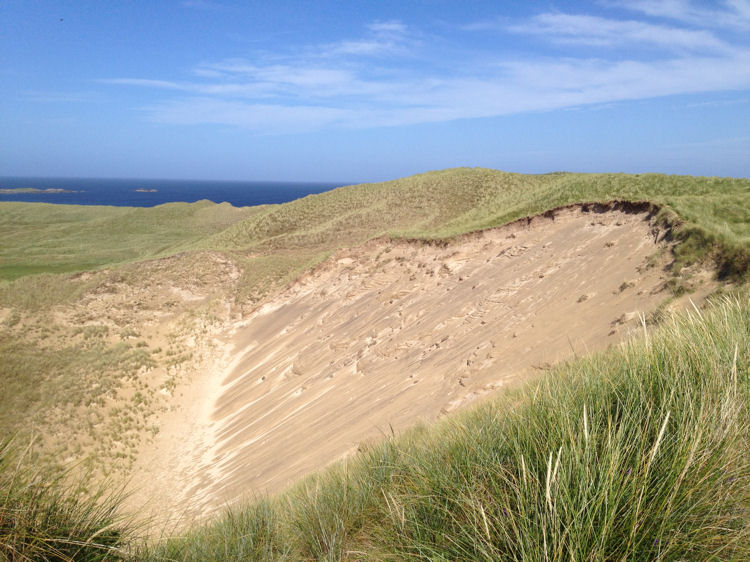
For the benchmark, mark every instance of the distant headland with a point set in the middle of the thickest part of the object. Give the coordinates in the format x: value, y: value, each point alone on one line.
x: 36, y: 190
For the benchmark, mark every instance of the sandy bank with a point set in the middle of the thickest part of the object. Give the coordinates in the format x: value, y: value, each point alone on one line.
x: 390, y: 333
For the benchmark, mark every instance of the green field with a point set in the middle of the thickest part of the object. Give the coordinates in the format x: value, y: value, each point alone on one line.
x: 639, y: 453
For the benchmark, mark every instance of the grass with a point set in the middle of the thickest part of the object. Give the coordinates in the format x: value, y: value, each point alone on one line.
x: 60, y: 389
x: 640, y: 453
x: 43, y: 518
x: 66, y: 367
x: 45, y: 238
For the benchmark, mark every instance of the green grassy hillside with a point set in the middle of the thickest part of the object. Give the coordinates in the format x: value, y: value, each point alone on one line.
x: 450, y: 202
x: 654, y: 467
x: 38, y: 238
x: 712, y: 214
x: 45, y: 238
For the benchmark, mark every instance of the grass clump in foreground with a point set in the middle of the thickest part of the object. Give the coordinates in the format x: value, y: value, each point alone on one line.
x: 640, y: 453
x: 48, y: 519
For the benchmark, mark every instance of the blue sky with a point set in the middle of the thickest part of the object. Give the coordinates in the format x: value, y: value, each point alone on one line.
x: 357, y: 91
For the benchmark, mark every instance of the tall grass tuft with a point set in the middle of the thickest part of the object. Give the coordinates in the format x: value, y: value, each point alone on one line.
x: 640, y: 453
x: 44, y: 518
x: 250, y: 533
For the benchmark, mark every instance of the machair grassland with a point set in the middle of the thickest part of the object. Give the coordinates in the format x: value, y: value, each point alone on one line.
x: 641, y: 452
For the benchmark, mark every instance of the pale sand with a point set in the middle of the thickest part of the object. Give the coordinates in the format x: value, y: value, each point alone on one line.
x: 382, y: 336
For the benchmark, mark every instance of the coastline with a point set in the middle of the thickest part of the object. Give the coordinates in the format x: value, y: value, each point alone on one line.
x: 149, y: 193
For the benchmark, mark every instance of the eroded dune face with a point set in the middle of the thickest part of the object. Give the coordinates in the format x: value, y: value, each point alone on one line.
x: 385, y: 335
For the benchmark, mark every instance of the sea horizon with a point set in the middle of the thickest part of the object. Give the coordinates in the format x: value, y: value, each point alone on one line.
x: 144, y: 192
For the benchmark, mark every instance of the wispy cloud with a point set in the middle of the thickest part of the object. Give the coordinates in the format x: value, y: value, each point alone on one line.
x: 278, y: 76
x: 515, y: 87
x: 240, y: 79
x: 255, y: 116
x: 372, y: 81
x: 382, y: 38
x: 721, y: 103
x: 163, y: 84
x: 731, y: 14
x: 603, y: 32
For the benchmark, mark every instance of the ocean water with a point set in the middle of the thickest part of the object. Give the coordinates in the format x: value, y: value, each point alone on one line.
x: 147, y: 193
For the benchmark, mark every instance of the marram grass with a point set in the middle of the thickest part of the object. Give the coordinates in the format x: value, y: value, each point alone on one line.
x: 50, y: 519
x: 640, y: 453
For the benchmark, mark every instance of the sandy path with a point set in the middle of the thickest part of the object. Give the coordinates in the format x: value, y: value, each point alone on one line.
x: 391, y: 333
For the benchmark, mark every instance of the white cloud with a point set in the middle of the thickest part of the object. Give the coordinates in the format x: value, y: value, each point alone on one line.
x: 261, y: 81
x: 598, y: 31
x: 382, y: 38
x: 720, y: 103
x: 515, y: 87
x: 338, y: 86
x: 161, y: 84
x: 310, y: 76
x: 734, y: 14
x: 395, y: 27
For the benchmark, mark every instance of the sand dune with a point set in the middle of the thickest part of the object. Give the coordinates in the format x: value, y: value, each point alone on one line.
x: 384, y: 335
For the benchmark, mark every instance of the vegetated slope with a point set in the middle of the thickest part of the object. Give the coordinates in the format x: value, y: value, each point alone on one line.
x: 391, y: 333
x: 84, y: 355
x: 713, y: 212
x: 279, y: 241
x: 639, y: 453
x: 44, y: 517
x: 46, y: 238
x: 89, y: 360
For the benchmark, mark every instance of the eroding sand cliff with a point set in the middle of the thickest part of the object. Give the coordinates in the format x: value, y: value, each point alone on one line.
x: 390, y: 333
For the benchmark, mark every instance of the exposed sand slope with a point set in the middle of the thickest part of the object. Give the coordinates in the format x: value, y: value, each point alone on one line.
x: 394, y: 332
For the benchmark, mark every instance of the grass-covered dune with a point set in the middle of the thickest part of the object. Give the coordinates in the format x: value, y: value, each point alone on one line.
x: 46, y: 238
x: 712, y: 212
x: 640, y: 453
x: 279, y: 240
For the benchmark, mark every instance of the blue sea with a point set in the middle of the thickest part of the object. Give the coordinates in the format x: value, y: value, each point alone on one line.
x: 147, y: 193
